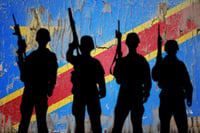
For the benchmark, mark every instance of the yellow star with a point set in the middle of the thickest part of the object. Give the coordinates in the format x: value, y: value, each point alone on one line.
x: 29, y: 32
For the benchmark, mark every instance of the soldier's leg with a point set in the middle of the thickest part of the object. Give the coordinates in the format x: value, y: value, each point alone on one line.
x: 41, y: 112
x: 78, y: 110
x: 26, y: 109
x: 121, y: 112
x: 94, y: 111
x: 165, y: 115
x: 180, y: 117
x: 136, y: 116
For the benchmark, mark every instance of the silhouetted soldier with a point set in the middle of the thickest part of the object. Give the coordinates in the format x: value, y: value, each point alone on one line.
x: 88, y: 72
x: 173, y: 79
x: 38, y: 72
x: 132, y: 72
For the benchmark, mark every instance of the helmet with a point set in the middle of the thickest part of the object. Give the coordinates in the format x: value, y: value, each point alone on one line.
x: 132, y: 39
x: 87, y: 43
x: 43, y: 35
x: 171, y: 46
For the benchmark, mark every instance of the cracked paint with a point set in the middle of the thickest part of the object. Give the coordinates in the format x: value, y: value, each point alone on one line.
x: 179, y: 19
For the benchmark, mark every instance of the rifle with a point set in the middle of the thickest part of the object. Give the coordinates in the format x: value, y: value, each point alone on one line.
x: 74, y: 33
x: 159, y: 53
x: 21, y: 42
x: 118, y: 53
x: 156, y: 68
x: 21, y: 49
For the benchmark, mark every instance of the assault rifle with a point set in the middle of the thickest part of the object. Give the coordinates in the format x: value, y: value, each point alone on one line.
x: 159, y: 41
x: 156, y: 68
x: 118, y: 53
x: 21, y: 42
x: 21, y: 49
x: 74, y: 33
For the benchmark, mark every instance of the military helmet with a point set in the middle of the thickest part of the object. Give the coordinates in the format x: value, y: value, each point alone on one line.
x: 87, y: 43
x: 171, y: 46
x: 43, y: 35
x: 132, y: 39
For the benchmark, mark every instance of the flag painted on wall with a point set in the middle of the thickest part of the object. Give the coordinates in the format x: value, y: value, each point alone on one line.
x: 179, y: 20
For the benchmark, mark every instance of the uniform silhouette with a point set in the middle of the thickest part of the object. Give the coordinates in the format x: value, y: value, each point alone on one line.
x: 38, y: 72
x: 173, y: 79
x: 132, y: 72
x: 88, y: 72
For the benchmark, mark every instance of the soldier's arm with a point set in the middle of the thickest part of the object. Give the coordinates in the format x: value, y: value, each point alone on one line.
x: 54, y: 69
x: 102, y: 87
x: 21, y: 58
x: 147, y: 82
x: 69, y: 55
x: 116, y: 71
x: 101, y: 82
x: 156, y: 71
x: 53, y: 77
x: 188, y: 86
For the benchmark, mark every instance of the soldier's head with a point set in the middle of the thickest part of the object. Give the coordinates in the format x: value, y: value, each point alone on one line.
x: 43, y: 37
x: 132, y: 40
x: 171, y: 47
x: 87, y: 44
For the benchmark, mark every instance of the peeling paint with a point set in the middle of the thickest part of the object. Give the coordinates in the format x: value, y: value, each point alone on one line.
x: 41, y: 10
x: 162, y: 11
x: 79, y: 5
x: 107, y: 7
x: 179, y: 19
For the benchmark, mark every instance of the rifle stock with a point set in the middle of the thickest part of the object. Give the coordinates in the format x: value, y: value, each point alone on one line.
x: 73, y: 28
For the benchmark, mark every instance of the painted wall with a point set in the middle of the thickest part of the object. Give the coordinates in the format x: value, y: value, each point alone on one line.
x: 179, y: 19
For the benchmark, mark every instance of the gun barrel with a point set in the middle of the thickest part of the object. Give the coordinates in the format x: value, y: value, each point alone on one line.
x: 70, y: 14
x: 14, y: 19
x: 71, y: 19
x: 118, y: 25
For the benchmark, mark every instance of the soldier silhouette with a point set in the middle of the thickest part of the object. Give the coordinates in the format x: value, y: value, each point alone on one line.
x: 88, y: 72
x: 173, y: 79
x: 132, y: 72
x: 38, y: 72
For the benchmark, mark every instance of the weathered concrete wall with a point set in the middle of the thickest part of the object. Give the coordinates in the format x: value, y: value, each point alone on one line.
x: 179, y: 19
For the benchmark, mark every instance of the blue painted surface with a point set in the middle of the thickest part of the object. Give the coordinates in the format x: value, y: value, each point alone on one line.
x: 90, y: 19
